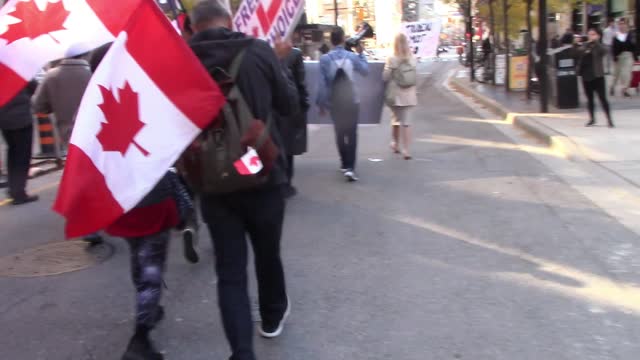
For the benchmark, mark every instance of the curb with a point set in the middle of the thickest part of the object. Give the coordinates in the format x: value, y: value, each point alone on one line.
x: 557, y: 141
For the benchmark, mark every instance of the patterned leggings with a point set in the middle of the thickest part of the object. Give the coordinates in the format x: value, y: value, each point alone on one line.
x: 148, y: 258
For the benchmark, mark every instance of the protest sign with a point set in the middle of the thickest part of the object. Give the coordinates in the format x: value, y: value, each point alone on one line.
x: 268, y: 19
x: 424, y: 36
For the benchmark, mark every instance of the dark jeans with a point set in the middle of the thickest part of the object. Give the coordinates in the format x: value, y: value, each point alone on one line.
x: 597, y: 85
x: 148, y: 259
x: 19, y: 142
x: 230, y: 217
x: 345, y: 122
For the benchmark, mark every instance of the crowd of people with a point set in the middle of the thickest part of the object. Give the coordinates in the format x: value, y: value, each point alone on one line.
x: 264, y: 83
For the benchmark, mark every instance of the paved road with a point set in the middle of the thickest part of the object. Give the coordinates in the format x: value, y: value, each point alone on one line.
x: 474, y: 250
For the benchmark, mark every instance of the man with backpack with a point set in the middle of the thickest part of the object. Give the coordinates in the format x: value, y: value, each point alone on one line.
x: 238, y: 167
x: 338, y: 95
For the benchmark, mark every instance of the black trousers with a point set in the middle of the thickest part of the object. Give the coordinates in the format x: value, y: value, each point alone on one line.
x: 19, y: 144
x: 345, y: 122
x: 230, y: 218
x: 290, y: 164
x: 148, y: 259
x: 598, y: 86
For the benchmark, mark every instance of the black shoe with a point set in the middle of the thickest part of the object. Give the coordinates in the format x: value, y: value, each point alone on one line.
x: 274, y: 330
x: 24, y: 200
x: 611, y: 125
x: 93, y: 239
x: 141, y: 348
x: 290, y: 191
x: 626, y: 94
x: 3, y: 182
x: 188, y: 239
x: 591, y: 123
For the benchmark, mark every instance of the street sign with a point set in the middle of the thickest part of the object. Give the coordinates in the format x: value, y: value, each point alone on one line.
x: 501, y: 69
x: 518, y: 73
x: 268, y: 19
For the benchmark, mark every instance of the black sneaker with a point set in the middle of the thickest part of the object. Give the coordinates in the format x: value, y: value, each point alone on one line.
x: 93, y: 239
x: 189, y: 239
x: 141, y: 348
x: 274, y: 330
x: 24, y: 199
x: 290, y: 191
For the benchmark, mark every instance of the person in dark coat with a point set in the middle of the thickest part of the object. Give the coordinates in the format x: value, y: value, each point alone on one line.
x: 16, y: 123
x: 295, y: 134
x: 591, y: 67
x: 257, y: 212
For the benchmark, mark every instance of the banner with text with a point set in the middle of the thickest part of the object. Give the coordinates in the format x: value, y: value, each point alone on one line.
x: 268, y: 19
x: 424, y: 36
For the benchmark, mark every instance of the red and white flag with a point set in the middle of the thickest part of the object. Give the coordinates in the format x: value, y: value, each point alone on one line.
x: 249, y: 163
x: 147, y: 101
x: 34, y: 32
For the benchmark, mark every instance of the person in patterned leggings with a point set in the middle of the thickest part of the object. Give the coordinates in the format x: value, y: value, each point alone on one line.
x: 146, y: 228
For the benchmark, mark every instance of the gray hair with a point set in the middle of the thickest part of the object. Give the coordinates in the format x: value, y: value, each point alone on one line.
x: 206, y: 11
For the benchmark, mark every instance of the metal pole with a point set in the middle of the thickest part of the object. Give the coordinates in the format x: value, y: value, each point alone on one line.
x: 335, y: 11
x: 544, y: 89
x: 637, y: 22
x: 493, y: 41
x: 472, y: 71
x: 505, y: 9
x: 529, y: 45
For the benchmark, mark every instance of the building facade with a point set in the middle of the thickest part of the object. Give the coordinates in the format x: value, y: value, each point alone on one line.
x: 384, y: 16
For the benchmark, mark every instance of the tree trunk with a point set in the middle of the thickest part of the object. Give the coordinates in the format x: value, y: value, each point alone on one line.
x: 529, y: 48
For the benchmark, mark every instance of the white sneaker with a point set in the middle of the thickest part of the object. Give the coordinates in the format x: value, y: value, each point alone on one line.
x: 271, y: 331
x: 350, y: 176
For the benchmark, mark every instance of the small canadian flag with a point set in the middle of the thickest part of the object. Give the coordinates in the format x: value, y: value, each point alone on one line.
x: 249, y: 163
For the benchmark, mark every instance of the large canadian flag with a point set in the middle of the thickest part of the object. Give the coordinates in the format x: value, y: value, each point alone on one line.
x: 147, y: 101
x: 34, y: 32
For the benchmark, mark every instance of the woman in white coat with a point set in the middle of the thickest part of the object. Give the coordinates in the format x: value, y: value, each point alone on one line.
x: 400, y: 74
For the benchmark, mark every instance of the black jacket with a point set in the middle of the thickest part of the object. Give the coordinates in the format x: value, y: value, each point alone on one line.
x: 623, y: 46
x: 590, y: 60
x: 16, y: 114
x: 262, y: 80
x: 295, y: 133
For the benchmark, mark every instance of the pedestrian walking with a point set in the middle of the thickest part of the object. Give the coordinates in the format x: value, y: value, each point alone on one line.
x: 400, y: 73
x: 624, y: 55
x: 591, y: 68
x: 60, y: 93
x: 295, y: 131
x: 608, y: 35
x: 339, y: 95
x: 248, y: 70
x: 146, y: 229
x: 16, y: 124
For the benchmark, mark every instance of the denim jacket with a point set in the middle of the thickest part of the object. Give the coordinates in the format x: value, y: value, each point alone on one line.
x: 349, y: 61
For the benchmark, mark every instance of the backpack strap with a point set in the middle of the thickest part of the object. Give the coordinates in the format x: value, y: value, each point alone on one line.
x: 241, y: 105
x: 234, y: 68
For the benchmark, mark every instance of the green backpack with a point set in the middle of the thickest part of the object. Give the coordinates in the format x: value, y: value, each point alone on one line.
x: 208, y: 164
x: 405, y: 75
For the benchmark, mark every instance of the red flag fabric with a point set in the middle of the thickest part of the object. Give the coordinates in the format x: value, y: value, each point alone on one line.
x: 147, y: 101
x: 35, y: 32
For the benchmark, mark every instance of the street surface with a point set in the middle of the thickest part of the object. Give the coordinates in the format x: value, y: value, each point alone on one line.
x: 473, y: 250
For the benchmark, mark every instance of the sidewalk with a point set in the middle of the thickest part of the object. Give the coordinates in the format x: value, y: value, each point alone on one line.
x: 617, y: 150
